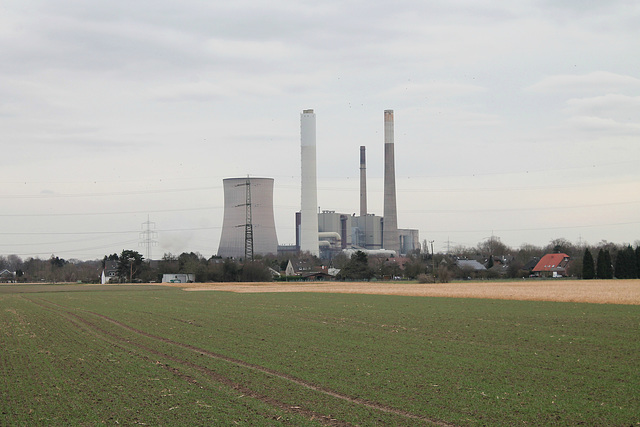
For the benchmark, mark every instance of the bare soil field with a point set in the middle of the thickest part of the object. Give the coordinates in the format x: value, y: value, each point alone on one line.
x: 592, y: 291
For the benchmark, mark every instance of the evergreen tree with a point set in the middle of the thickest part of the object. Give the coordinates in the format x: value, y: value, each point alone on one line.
x: 357, y: 268
x: 608, y: 265
x: 633, y: 263
x: 129, y: 264
x: 626, y: 264
x: 230, y: 270
x: 638, y: 262
x: 621, y: 265
x: 600, y: 265
x: 588, y: 269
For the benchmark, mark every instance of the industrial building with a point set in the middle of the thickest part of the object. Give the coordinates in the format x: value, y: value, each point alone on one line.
x: 337, y: 232
x: 248, y: 226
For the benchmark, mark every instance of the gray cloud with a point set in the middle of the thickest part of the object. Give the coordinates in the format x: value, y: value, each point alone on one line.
x: 146, y: 95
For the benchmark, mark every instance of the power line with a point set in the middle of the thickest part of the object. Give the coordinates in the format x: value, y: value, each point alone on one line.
x: 447, y: 211
x: 560, y: 227
x: 71, y: 233
x: 109, y: 194
x: 75, y: 251
x: 110, y: 213
x: 21, y: 215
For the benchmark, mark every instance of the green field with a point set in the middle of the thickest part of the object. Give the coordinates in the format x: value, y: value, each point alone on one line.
x: 85, y: 355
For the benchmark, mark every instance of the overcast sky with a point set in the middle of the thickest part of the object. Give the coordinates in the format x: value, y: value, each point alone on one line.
x: 514, y: 119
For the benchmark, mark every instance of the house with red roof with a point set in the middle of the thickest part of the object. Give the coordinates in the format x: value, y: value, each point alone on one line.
x: 552, y: 265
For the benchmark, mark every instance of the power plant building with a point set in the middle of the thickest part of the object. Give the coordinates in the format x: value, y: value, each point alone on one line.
x: 328, y: 232
x: 332, y: 224
x: 367, y: 231
x: 248, y: 202
x: 409, y: 240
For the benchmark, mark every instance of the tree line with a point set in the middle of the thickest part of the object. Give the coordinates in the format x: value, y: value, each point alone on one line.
x: 604, y: 260
x: 627, y: 264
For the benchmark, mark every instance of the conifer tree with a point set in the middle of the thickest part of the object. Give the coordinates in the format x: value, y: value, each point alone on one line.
x: 621, y: 265
x: 490, y: 262
x: 626, y: 264
x: 588, y: 269
x: 608, y: 265
x: 600, y: 265
x: 633, y: 263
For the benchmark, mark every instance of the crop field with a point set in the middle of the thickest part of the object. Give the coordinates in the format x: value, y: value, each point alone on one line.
x: 596, y: 291
x: 156, y: 355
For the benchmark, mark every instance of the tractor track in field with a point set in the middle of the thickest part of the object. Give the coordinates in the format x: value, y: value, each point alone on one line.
x: 122, y: 343
x: 327, y: 420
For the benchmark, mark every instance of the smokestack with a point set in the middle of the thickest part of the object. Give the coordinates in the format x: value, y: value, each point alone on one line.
x: 309, y: 190
x: 390, y: 239
x: 363, y: 181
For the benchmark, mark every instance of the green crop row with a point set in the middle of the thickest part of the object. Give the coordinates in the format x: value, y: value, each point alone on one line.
x: 164, y: 356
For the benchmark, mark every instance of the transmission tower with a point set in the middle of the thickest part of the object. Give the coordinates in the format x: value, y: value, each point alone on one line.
x: 147, y: 237
x: 248, y: 225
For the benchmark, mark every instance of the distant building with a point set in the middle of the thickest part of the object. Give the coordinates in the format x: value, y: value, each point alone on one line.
x: 409, y: 240
x: 338, y: 232
x: 552, y: 265
x: 367, y: 231
x: 248, y: 199
x: 110, y: 272
x: 178, y: 278
x: 309, y: 272
x: 7, y: 276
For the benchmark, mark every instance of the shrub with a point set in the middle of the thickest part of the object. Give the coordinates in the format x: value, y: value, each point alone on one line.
x: 424, y: 278
x: 444, y: 275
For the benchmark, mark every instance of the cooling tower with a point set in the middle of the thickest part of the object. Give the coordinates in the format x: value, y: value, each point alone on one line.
x: 363, y: 181
x: 390, y: 237
x: 232, y: 239
x: 309, y: 190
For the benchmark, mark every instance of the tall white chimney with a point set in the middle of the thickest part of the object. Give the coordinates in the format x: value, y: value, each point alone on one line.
x: 390, y: 237
x: 363, y: 181
x: 309, y: 190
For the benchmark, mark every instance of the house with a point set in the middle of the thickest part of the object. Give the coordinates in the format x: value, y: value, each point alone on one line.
x: 299, y: 268
x: 110, y: 272
x: 307, y: 271
x: 317, y: 276
x: 552, y: 265
x: 7, y: 276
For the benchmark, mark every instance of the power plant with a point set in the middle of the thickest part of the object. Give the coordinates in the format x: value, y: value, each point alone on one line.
x: 248, y: 225
x: 371, y: 233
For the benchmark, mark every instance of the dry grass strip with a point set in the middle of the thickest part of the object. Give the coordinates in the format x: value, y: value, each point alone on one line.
x: 592, y: 291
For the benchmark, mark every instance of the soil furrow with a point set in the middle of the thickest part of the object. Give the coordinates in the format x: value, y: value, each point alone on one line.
x: 238, y: 362
x: 117, y: 342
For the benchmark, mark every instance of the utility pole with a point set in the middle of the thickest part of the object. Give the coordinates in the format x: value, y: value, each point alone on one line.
x: 131, y: 261
x: 433, y: 258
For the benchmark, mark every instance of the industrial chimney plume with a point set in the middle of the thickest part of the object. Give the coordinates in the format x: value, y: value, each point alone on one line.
x: 309, y: 190
x: 390, y: 237
x: 363, y: 181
